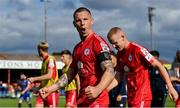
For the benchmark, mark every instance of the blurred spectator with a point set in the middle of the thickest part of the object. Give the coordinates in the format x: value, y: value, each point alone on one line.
x: 176, y: 78
x: 118, y: 96
x: 4, y: 90
x: 25, y: 93
x: 16, y: 89
x: 122, y: 97
x: 158, y: 86
x: 11, y: 91
x: 1, y: 88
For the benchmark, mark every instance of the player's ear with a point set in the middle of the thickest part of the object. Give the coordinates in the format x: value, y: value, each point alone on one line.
x: 74, y: 23
x: 123, y: 37
x: 92, y: 22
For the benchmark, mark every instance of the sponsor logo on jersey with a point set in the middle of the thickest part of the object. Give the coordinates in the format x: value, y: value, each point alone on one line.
x: 51, y: 63
x: 144, y: 51
x: 147, y: 55
x: 104, y: 47
x: 86, y: 51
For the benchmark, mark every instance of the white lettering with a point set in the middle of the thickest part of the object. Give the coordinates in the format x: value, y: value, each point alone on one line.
x: 19, y: 64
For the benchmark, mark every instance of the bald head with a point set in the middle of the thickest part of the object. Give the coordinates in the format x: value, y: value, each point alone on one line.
x: 81, y: 9
x: 117, y: 38
x: 113, y: 31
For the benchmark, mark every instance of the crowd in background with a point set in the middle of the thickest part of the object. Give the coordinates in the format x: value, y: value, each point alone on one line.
x: 13, y: 90
x: 117, y: 95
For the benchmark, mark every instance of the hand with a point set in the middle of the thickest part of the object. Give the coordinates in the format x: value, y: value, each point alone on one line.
x: 174, y: 79
x: 92, y: 92
x: 44, y: 92
x: 31, y: 80
x: 173, y: 94
x: 119, y: 98
x: 22, y: 92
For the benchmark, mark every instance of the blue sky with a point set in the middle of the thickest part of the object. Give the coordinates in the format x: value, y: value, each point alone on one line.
x: 22, y: 23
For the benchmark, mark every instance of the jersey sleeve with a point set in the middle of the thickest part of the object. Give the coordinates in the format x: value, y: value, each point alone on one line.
x: 74, y: 62
x: 145, y: 55
x: 101, y: 46
x: 51, y: 63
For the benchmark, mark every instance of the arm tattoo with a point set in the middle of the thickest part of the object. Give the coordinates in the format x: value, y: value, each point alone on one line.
x: 62, y: 82
x: 107, y: 65
x: 71, y: 74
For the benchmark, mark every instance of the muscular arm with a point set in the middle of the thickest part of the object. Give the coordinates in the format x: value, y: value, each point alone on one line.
x: 50, y: 69
x: 113, y: 84
x: 175, y: 79
x: 117, y: 79
x: 43, y: 77
x: 108, y: 75
x: 172, y: 92
x: 66, y: 78
x: 63, y: 80
x: 162, y: 71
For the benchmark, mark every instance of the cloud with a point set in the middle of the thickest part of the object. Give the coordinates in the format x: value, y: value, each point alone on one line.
x: 22, y: 23
x: 132, y: 16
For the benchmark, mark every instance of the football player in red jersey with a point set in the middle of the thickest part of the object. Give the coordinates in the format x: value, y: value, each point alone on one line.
x: 133, y: 62
x: 48, y: 77
x: 92, y: 61
x: 72, y: 89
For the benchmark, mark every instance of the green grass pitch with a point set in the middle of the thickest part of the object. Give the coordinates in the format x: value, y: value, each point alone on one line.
x: 4, y: 102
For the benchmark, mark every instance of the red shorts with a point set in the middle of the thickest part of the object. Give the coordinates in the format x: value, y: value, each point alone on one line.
x: 50, y: 101
x: 178, y: 102
x: 94, y: 105
x: 71, y: 97
x: 101, y: 101
x: 142, y: 104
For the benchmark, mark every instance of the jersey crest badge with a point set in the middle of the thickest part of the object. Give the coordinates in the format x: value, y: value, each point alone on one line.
x: 86, y: 51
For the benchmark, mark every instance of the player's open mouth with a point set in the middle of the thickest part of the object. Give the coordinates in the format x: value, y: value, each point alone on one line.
x: 83, y: 29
